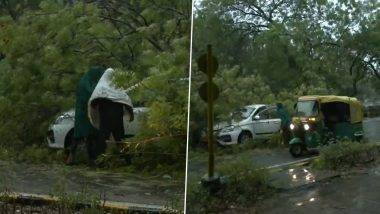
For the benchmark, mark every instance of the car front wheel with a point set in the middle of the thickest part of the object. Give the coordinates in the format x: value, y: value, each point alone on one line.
x: 244, y: 137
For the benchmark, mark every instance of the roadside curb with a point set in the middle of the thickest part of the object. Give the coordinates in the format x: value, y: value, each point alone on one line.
x: 120, y: 207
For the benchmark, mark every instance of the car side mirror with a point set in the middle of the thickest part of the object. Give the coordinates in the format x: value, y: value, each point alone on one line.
x: 256, y: 117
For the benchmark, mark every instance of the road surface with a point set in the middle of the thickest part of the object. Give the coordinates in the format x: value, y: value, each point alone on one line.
x: 111, y: 186
x: 371, y: 128
x: 355, y: 192
x: 268, y: 158
x: 305, y: 190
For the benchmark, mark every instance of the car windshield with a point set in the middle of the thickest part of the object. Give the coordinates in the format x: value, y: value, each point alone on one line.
x: 242, y: 113
x: 307, y: 108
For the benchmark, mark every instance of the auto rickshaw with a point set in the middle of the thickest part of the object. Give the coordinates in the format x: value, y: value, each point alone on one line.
x: 322, y: 120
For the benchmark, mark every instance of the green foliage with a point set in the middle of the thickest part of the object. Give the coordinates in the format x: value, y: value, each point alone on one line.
x: 276, y: 51
x: 275, y: 141
x: 49, y: 44
x: 373, y: 111
x: 71, y: 201
x: 32, y: 154
x: 244, y: 186
x: 44, y: 62
x: 346, y: 154
x: 152, y: 156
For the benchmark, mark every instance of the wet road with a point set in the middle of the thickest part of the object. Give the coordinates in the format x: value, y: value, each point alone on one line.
x: 326, y: 192
x: 371, y: 128
x: 119, y: 187
x: 267, y: 157
x: 197, y: 166
x: 305, y: 190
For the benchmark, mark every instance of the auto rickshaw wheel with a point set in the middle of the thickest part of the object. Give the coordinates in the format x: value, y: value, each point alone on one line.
x: 296, y: 150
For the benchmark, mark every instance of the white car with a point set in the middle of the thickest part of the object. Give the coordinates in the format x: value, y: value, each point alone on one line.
x: 249, y: 122
x: 61, y: 132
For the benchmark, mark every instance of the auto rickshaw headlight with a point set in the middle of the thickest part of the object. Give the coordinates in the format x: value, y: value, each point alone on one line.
x: 292, y: 126
x: 306, y: 127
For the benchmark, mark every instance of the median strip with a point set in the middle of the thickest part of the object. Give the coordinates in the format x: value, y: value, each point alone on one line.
x: 41, y: 200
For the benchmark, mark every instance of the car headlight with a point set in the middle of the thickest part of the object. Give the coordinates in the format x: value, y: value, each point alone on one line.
x: 306, y: 127
x: 229, y: 129
x: 292, y: 126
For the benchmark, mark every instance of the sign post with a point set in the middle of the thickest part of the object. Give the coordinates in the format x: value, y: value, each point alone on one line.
x: 209, y: 92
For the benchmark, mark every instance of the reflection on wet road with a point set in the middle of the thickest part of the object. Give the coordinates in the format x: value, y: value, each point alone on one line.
x: 356, y: 193
x: 305, y: 190
x: 302, y: 174
x: 310, y: 191
x: 298, y: 177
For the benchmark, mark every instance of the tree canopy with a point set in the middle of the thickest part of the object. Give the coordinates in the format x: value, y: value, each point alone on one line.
x: 47, y: 45
x: 274, y: 51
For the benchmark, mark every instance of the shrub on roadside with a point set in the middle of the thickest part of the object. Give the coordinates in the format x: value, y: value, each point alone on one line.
x: 243, y: 186
x: 274, y: 141
x: 36, y: 154
x: 346, y: 154
x: 161, y: 155
x: 32, y: 154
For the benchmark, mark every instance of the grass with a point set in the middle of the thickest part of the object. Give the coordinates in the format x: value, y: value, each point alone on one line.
x: 346, y: 154
x: 83, y: 201
x: 32, y: 154
x: 244, y: 186
x: 164, y: 156
x: 273, y: 142
x: 160, y: 157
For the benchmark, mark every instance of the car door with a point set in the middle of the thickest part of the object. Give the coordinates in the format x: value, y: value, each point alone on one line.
x: 274, y: 121
x: 260, y: 123
x: 260, y: 109
x: 131, y: 128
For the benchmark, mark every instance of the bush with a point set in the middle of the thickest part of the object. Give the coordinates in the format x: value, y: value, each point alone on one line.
x: 32, y: 154
x: 346, y: 154
x: 244, y: 185
x: 158, y: 155
x: 274, y: 141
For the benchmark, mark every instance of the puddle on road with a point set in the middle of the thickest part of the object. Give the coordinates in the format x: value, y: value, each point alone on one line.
x: 352, y: 193
x: 301, y: 175
x: 306, y: 200
x: 298, y: 177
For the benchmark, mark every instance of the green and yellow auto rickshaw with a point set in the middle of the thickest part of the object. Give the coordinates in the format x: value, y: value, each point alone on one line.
x: 322, y: 120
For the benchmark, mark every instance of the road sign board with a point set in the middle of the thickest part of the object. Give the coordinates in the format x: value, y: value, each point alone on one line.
x: 203, y: 91
x: 202, y: 64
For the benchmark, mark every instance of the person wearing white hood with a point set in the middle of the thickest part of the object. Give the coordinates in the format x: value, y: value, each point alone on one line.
x: 108, y: 107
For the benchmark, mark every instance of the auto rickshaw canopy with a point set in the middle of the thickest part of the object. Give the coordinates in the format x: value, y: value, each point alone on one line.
x: 356, y: 107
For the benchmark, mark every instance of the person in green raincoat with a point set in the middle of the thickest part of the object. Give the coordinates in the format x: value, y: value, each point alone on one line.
x: 83, y: 129
x: 285, y: 122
